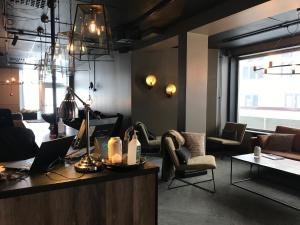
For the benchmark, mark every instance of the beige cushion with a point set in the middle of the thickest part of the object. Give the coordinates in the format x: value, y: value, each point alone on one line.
x: 195, y: 142
x: 155, y: 142
x: 199, y: 163
x: 223, y: 141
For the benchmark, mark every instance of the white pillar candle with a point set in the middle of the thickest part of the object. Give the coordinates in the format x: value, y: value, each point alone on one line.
x: 116, y: 158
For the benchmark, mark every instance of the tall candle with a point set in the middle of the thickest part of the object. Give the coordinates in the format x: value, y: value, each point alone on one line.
x: 115, y: 150
x: 116, y: 158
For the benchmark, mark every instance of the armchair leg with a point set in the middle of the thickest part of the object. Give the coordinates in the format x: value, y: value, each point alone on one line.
x: 187, y: 183
x: 213, y: 180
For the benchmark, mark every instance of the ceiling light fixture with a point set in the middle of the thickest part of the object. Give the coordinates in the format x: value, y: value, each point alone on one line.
x: 90, y: 35
x: 268, y: 70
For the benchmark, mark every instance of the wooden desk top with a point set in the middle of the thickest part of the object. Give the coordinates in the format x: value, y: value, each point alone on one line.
x: 52, y: 181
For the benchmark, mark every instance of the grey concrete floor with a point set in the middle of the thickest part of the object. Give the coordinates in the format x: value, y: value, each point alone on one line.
x: 230, y: 205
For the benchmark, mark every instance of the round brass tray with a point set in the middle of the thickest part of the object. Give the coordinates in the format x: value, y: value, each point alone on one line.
x: 123, y: 166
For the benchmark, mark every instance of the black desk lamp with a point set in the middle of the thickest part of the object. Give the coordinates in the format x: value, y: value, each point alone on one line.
x: 67, y: 111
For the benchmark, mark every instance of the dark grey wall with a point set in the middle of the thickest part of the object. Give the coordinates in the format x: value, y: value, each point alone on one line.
x: 212, y: 92
x: 153, y: 107
x: 113, y: 84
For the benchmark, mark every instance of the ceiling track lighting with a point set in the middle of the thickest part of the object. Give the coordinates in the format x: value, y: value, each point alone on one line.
x: 44, y: 18
x: 15, y: 40
x: 40, y: 30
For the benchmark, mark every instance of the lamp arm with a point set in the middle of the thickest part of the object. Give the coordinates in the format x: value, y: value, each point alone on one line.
x: 73, y: 93
x: 86, y: 106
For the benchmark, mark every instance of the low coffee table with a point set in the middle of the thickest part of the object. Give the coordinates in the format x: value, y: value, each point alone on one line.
x: 282, y: 165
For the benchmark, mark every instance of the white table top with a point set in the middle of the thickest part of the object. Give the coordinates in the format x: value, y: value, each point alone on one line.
x: 284, y: 164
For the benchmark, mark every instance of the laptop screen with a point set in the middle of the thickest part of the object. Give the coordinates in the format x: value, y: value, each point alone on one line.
x: 49, y: 152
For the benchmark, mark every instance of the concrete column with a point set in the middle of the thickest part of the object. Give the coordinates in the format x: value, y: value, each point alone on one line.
x: 196, y: 82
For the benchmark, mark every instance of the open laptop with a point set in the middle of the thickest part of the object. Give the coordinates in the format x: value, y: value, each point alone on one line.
x: 49, y: 152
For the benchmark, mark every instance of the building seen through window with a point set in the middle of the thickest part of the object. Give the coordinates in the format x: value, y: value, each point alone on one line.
x: 268, y: 100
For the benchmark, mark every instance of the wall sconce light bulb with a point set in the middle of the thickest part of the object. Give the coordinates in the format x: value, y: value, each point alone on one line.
x: 7, y: 81
x: 170, y: 90
x: 13, y: 79
x: 151, y: 80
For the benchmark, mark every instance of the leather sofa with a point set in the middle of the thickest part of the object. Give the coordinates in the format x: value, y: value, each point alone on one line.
x: 294, y: 154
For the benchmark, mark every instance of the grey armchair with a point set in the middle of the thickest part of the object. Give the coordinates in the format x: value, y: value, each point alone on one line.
x: 150, y: 143
x: 195, y: 166
x: 231, y: 138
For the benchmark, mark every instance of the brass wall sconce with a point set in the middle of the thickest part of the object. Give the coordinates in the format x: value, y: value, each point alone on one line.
x: 11, y: 82
x: 170, y: 90
x: 151, y: 80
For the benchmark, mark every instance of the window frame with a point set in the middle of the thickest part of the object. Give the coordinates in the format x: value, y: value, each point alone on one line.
x: 251, y: 56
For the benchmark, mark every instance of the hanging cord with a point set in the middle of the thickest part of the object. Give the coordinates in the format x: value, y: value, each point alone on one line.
x: 90, y: 86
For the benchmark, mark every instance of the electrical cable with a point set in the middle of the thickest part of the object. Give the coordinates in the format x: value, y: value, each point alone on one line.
x: 65, y: 177
x: 51, y: 167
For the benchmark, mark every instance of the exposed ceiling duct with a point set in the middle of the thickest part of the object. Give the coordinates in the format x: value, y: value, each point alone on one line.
x: 34, y: 3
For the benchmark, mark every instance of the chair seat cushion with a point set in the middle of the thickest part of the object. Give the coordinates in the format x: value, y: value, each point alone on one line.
x: 199, y: 163
x: 222, y: 141
x: 155, y: 143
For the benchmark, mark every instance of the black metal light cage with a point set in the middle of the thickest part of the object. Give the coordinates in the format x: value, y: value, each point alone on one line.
x: 84, y: 44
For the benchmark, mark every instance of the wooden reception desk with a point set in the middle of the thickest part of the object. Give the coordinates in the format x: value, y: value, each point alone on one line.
x: 104, y: 198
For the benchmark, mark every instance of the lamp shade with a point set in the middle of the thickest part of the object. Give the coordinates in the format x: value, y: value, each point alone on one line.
x: 68, y: 107
x: 170, y: 89
x: 90, y: 35
x: 151, y: 80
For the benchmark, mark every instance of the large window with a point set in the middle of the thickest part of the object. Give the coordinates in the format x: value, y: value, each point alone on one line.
x: 265, y: 101
x: 36, y: 94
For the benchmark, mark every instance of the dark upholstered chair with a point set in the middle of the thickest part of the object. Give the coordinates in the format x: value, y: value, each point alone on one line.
x: 17, y: 143
x: 6, y: 118
x: 195, y: 166
x: 232, y: 136
x: 150, y: 143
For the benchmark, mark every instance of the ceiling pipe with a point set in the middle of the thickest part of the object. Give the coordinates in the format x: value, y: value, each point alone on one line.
x: 150, y: 12
x: 131, y: 25
x: 263, y: 30
x: 51, y: 5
